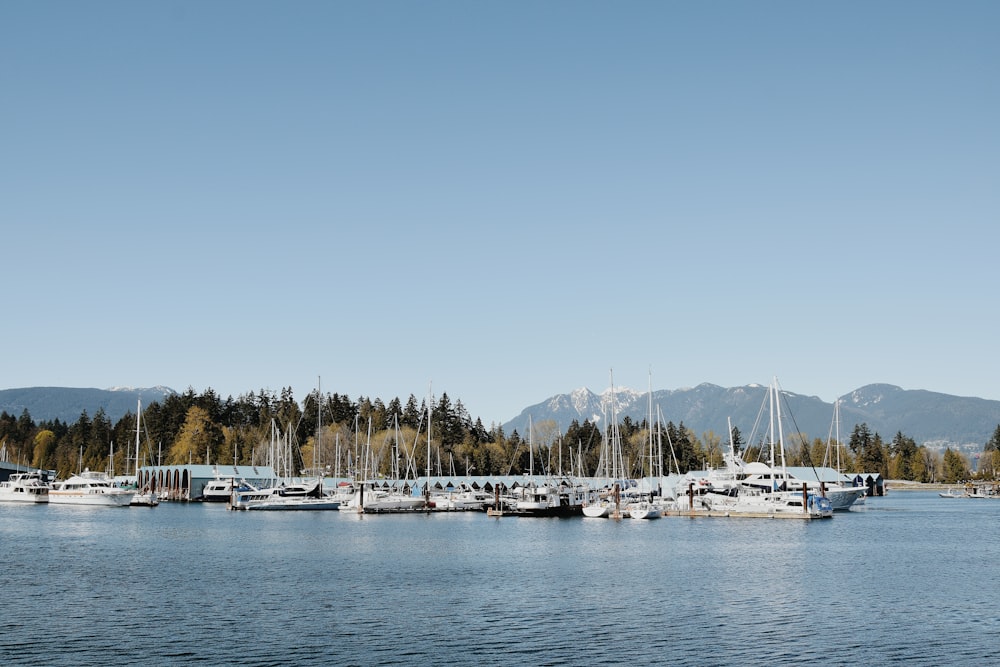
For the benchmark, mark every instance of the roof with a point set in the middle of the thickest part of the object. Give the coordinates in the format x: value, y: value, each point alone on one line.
x: 201, y: 471
x: 817, y: 474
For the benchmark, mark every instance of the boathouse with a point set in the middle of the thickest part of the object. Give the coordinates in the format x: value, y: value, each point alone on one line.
x: 872, y: 480
x: 187, y: 482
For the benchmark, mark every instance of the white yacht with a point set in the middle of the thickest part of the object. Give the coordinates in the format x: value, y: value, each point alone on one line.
x: 218, y: 490
x: 290, y: 496
x: 25, y: 487
x: 90, y: 488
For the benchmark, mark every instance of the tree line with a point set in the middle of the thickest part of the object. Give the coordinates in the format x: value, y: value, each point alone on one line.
x: 370, y: 437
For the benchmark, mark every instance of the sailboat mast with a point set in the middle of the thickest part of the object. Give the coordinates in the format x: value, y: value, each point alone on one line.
x: 319, y: 430
x: 430, y: 400
x: 138, y: 419
x: 781, y: 435
x: 649, y: 423
x: 531, y: 451
x: 836, y: 421
x: 770, y: 405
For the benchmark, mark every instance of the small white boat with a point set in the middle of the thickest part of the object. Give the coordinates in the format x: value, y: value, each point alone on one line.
x: 951, y: 493
x: 25, y: 487
x: 90, y: 488
x: 600, y: 509
x: 645, y: 509
x: 145, y: 498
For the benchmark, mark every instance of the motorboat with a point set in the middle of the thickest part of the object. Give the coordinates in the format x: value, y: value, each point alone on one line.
x: 24, y: 487
x: 220, y: 490
x: 90, y: 487
x: 278, y: 502
x: 549, y: 499
x: 290, y: 496
x: 764, y: 477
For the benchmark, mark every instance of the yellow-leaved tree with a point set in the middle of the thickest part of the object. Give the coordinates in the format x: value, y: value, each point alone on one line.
x: 199, y: 441
x: 45, y: 447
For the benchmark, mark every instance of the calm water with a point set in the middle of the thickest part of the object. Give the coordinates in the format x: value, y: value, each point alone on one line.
x: 910, y: 580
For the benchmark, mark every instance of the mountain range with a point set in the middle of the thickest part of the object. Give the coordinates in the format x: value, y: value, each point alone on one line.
x: 67, y: 403
x: 930, y: 418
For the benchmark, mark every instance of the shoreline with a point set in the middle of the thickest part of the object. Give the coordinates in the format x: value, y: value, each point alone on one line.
x: 905, y: 485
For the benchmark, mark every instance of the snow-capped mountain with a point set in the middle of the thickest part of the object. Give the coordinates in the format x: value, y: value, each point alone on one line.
x: 925, y: 416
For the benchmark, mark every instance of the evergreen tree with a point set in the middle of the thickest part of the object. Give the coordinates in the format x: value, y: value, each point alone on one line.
x: 395, y: 409
x: 479, y: 433
x: 993, y: 443
x: 688, y: 455
x: 956, y: 469
x: 412, y: 413
x: 904, y: 452
x: 309, y: 419
x: 342, y: 409
x: 737, y: 439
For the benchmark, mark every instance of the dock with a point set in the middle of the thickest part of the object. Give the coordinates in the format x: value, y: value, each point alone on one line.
x: 743, y: 515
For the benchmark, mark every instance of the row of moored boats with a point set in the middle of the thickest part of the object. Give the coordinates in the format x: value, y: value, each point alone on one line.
x: 86, y: 488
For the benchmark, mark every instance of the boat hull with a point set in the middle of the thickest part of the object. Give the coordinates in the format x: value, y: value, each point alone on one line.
x: 104, y: 499
x: 597, y: 510
x: 843, y: 498
x: 311, y: 504
x: 29, y: 495
x: 645, y: 511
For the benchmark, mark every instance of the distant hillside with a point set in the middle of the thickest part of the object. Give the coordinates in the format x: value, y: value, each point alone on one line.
x: 68, y: 403
x: 925, y: 416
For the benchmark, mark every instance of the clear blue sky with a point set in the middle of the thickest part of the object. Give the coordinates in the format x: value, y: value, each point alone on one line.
x: 502, y: 201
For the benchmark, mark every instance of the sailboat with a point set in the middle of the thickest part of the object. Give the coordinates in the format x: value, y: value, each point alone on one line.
x: 650, y: 507
x: 607, y: 502
x: 368, y: 497
x: 767, y: 489
x: 145, y: 496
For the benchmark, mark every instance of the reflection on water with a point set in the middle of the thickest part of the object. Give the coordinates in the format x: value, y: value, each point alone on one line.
x: 906, y: 580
